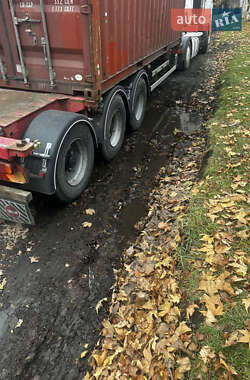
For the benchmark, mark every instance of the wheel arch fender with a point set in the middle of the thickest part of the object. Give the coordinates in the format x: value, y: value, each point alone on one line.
x: 58, y: 124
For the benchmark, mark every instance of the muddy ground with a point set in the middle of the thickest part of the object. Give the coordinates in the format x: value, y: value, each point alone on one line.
x: 57, y: 271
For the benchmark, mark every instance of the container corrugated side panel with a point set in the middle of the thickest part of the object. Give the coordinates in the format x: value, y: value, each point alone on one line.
x: 68, y: 36
x: 134, y: 29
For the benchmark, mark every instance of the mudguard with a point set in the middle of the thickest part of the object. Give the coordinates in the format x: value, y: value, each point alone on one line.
x: 49, y: 129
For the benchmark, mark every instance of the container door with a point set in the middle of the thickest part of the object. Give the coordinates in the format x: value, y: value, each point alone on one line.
x: 8, y: 55
x: 44, y: 44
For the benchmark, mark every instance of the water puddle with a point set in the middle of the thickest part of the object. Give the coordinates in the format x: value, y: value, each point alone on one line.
x: 190, y: 122
x: 129, y: 216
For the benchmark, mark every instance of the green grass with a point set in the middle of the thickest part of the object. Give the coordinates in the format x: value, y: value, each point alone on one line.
x: 237, y: 356
x: 227, y: 130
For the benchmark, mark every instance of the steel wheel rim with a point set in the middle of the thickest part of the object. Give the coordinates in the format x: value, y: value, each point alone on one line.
x: 116, y: 129
x: 75, y: 163
x: 139, y: 107
x: 188, y: 56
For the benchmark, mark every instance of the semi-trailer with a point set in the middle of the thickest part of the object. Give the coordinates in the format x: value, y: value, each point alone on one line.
x: 74, y: 74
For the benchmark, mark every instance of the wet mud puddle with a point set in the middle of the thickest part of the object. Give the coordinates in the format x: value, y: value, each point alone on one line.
x: 162, y: 144
x: 58, y: 270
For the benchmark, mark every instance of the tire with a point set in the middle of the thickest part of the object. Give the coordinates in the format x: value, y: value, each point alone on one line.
x: 114, y: 127
x: 139, y: 97
x: 185, y: 59
x: 74, y: 164
x: 204, y: 43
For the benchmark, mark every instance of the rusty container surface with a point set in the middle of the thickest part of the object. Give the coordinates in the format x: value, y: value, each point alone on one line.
x: 81, y: 47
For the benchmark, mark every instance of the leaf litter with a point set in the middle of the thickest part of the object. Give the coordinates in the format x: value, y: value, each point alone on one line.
x: 145, y: 336
x: 149, y: 333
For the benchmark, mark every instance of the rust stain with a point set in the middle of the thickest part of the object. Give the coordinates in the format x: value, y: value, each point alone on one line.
x: 116, y: 59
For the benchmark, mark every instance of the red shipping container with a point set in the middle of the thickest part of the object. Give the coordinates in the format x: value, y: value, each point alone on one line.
x: 81, y: 47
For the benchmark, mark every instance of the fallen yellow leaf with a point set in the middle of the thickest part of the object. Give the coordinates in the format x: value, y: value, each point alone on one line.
x: 246, y: 302
x: 214, y: 307
x: 238, y: 336
x: 182, y: 329
x: 19, y: 323
x: 87, y: 376
x: 83, y: 354
x: 90, y: 211
x: 230, y: 369
x: 99, y: 304
x: 164, y: 309
x: 191, y: 309
x: 87, y: 224
x: 195, y: 191
x: 242, y: 234
x: 207, y: 238
x: 241, y: 217
x: 206, y: 354
x: 3, y: 283
x: 245, y: 337
x: 184, y: 366
x: 34, y: 259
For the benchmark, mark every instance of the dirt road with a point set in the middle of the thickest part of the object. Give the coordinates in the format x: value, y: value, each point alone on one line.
x: 57, y: 271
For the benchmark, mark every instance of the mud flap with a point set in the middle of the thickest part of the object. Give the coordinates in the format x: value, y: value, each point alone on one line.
x: 14, y: 205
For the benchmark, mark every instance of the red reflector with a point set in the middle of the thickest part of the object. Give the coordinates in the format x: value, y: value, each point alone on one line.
x: 179, y: 51
x: 5, y: 168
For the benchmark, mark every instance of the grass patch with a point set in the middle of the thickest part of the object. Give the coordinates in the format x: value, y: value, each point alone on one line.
x: 219, y: 211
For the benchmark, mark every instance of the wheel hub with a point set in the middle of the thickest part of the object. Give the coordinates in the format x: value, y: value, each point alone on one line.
x: 75, y: 163
x: 139, y: 107
x: 188, y: 56
x: 116, y: 129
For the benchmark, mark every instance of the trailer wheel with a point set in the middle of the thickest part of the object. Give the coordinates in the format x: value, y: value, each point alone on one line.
x: 114, y: 126
x: 138, y: 105
x: 184, y: 61
x: 74, y: 164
